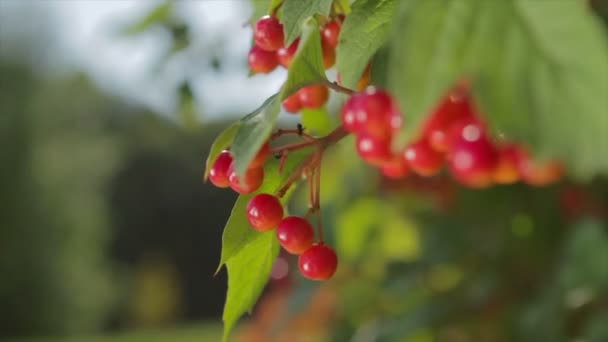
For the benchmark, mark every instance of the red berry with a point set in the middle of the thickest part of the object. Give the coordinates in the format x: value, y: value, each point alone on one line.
x: 264, y: 212
x: 376, y: 113
x: 468, y: 129
x: 348, y: 113
x: 218, y: 175
x: 422, y: 159
x: 292, y: 104
x: 261, y: 61
x: 329, y: 56
x: 538, y: 173
x: 506, y: 171
x: 474, y: 161
x: 252, y: 179
x: 295, y: 234
x: 260, y: 159
x: 313, y: 96
x: 319, y: 262
x: 396, y: 168
x: 268, y: 33
x: 453, y: 108
x: 331, y: 33
x: 285, y: 54
x: 375, y: 151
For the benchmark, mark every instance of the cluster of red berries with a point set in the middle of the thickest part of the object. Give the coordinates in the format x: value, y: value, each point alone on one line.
x: 316, y: 261
x: 223, y: 174
x: 265, y: 212
x: 269, y: 51
x: 454, y: 134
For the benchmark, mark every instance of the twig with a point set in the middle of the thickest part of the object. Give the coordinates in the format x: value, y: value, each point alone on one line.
x: 294, y: 146
x: 335, y: 86
x: 317, y: 205
x: 298, y: 132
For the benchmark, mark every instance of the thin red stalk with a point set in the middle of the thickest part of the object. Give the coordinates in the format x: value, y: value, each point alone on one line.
x: 294, y: 177
x: 299, y: 133
x: 311, y: 193
x: 282, y: 161
x: 318, y: 198
x: 293, y: 147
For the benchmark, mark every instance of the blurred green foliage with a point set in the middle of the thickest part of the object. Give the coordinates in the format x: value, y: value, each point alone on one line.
x: 54, y: 224
x: 105, y: 223
x: 90, y: 183
x: 207, y: 332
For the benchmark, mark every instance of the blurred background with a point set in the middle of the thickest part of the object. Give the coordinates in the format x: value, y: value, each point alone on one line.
x: 107, y: 233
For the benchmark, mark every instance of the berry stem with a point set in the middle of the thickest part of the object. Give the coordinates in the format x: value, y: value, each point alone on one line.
x: 333, y: 137
x: 335, y: 86
x: 297, y: 132
x: 311, y: 193
x: 295, y: 175
x: 294, y: 146
x: 317, y: 196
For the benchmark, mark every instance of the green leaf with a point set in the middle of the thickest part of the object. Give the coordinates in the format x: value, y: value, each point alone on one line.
x: 253, y: 132
x: 427, y: 45
x: 237, y: 232
x: 539, y: 71
x: 249, y: 254
x: 248, y: 272
x: 307, y: 65
x: 342, y: 7
x: 159, y: 14
x: 318, y: 120
x: 306, y: 68
x: 274, y: 4
x: 262, y: 8
x: 221, y: 143
x: 296, y: 12
x: 364, y: 31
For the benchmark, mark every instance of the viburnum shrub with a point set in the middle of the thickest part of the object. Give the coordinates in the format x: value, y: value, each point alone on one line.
x: 414, y: 113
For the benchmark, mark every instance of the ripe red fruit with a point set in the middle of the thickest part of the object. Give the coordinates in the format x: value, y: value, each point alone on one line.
x: 474, y: 161
x: 264, y: 212
x: 329, y: 56
x: 331, y: 33
x: 538, y: 173
x: 261, y: 61
x: 423, y: 159
x: 468, y: 129
x: 292, y: 104
x: 218, y: 174
x: 295, y: 234
x: 375, y: 151
x: 319, y: 262
x: 454, y: 108
x: 348, y: 114
x: 506, y: 171
x: 268, y: 33
x: 396, y: 168
x: 252, y: 179
x: 285, y: 54
x: 376, y: 113
x: 313, y: 96
x: 260, y: 159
